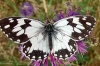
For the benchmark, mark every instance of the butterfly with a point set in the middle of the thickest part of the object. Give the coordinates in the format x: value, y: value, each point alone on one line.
x: 39, y: 39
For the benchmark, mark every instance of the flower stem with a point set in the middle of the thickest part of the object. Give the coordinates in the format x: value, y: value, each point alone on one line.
x: 45, y: 8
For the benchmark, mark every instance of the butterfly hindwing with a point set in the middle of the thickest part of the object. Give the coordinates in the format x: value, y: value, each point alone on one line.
x: 67, y: 31
x: 34, y: 54
x: 63, y: 47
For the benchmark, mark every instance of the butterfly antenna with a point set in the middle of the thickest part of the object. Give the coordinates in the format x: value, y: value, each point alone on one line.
x: 47, y: 21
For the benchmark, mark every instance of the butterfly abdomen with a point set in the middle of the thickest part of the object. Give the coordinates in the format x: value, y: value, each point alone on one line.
x: 50, y: 40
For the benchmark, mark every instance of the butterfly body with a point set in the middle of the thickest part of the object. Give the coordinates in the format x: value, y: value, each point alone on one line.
x: 39, y: 39
x: 49, y: 30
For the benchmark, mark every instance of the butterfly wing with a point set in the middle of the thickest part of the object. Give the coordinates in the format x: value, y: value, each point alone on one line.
x: 69, y: 30
x: 29, y: 33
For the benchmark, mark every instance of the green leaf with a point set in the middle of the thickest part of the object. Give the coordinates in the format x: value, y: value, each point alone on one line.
x: 42, y: 16
x: 14, y: 62
x: 79, y: 58
x: 68, y: 65
x: 82, y: 4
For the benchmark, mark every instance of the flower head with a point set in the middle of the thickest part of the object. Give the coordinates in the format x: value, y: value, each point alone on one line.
x: 72, y: 58
x: 26, y: 9
x: 53, y: 61
x: 46, y: 62
x: 20, y: 49
x: 70, y: 11
x: 58, y: 16
x: 81, y: 47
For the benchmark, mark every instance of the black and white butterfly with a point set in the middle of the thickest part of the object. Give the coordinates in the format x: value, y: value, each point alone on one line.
x: 39, y: 39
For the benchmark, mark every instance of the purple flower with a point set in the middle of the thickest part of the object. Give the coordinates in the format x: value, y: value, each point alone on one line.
x: 20, y: 49
x: 37, y: 63
x: 53, y: 60
x: 26, y: 9
x: 58, y: 16
x: 46, y: 62
x: 81, y: 47
x: 70, y: 11
x: 60, y: 62
x: 32, y: 63
x: 72, y: 58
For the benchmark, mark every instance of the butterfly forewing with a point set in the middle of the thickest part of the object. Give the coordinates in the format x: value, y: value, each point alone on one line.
x: 77, y: 27
x: 19, y: 29
x: 67, y: 31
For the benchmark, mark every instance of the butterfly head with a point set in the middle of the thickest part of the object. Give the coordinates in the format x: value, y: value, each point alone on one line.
x: 49, y: 28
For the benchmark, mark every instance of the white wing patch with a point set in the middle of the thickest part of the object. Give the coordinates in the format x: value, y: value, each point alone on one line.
x: 76, y: 21
x: 7, y: 26
x: 42, y: 45
x: 88, y: 23
x: 59, y: 43
x: 35, y: 24
x: 11, y: 20
x: 20, y: 22
x: 84, y: 18
x: 20, y: 32
x: 66, y: 29
x: 62, y: 23
x: 80, y: 27
x: 77, y: 30
x: 17, y: 29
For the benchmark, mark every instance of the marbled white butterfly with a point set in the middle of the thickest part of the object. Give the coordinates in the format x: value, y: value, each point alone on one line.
x: 39, y: 39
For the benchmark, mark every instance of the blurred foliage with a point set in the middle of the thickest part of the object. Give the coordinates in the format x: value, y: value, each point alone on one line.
x: 9, y: 54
